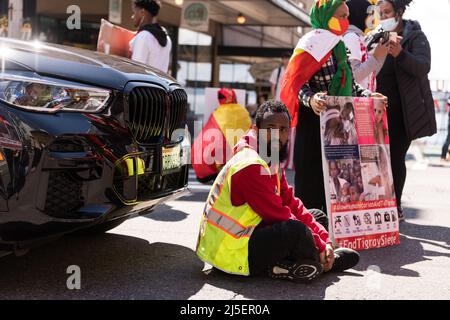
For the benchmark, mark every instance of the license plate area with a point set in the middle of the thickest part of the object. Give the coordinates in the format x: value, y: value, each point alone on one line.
x: 171, y: 159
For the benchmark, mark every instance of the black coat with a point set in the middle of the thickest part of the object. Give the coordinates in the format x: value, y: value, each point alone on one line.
x: 411, y: 68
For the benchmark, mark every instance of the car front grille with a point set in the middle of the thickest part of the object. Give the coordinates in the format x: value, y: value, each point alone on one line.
x: 177, y: 112
x: 152, y: 112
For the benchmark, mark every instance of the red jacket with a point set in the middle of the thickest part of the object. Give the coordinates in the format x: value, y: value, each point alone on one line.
x: 259, y: 192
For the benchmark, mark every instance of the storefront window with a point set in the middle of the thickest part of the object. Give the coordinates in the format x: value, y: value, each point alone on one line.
x: 194, y: 66
x: 53, y: 30
x: 237, y: 75
x: 235, y: 72
x: 3, y: 18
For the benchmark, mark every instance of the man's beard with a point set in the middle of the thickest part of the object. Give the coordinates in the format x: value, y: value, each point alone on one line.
x: 284, y: 153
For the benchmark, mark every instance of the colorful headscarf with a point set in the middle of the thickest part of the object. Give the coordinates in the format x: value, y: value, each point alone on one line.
x: 226, y: 96
x: 342, y: 82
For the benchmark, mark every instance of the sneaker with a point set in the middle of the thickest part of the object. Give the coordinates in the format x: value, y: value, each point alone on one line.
x: 301, y: 271
x: 344, y: 259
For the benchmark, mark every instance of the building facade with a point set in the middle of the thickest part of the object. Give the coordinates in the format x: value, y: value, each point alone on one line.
x: 237, y: 44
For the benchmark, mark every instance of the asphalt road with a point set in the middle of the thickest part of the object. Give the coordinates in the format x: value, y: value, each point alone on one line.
x: 152, y: 257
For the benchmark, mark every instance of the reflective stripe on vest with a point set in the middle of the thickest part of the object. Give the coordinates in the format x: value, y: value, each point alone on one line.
x: 229, y: 225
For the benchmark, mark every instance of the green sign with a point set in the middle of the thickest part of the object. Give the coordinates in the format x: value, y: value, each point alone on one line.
x: 196, y: 16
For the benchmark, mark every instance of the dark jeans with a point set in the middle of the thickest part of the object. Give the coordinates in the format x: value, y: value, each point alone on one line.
x: 447, y: 141
x: 309, y: 185
x: 399, y: 146
x: 288, y: 240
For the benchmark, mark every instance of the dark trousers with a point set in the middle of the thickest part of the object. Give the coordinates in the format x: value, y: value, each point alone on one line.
x: 289, y: 240
x: 309, y: 185
x: 399, y: 145
x: 447, y: 141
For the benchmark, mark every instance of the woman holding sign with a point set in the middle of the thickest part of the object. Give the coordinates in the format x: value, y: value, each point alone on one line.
x: 404, y: 80
x: 318, y: 67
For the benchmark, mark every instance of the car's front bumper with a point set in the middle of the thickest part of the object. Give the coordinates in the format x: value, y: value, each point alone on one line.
x: 67, y: 171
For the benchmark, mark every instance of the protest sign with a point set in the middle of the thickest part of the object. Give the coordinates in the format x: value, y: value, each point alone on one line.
x: 357, y: 173
x: 114, y: 40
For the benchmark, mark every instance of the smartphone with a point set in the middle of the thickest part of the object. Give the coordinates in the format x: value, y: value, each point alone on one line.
x: 375, y: 38
x: 386, y: 36
x: 393, y: 36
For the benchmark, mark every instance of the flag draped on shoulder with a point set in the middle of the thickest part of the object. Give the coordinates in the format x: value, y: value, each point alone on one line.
x: 301, y: 68
x: 312, y: 51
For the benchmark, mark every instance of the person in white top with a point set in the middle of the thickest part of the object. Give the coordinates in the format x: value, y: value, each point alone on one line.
x: 152, y: 44
x: 365, y: 65
x: 277, y: 76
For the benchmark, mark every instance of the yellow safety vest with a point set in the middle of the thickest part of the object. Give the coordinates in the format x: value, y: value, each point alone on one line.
x: 225, y: 230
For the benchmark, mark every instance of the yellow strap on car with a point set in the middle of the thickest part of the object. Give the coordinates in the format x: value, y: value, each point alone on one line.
x: 140, y: 164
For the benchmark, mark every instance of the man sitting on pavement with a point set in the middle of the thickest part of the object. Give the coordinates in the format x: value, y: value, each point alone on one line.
x: 252, y: 223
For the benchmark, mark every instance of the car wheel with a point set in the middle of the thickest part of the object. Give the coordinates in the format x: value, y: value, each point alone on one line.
x: 100, y: 228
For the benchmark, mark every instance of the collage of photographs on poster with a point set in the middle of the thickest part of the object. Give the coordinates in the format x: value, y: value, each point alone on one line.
x: 357, y: 173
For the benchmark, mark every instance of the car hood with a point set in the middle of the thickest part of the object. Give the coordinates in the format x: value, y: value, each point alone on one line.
x: 79, y: 65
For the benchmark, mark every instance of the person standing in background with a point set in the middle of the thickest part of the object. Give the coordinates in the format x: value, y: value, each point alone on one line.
x: 445, y: 151
x: 404, y: 80
x: 213, y: 147
x: 152, y: 44
x: 365, y: 65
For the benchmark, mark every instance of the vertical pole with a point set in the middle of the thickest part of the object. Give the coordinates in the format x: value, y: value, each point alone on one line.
x: 15, y: 17
x: 175, y: 52
x: 215, y: 59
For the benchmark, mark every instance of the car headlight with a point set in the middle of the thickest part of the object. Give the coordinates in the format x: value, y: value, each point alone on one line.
x: 51, y: 95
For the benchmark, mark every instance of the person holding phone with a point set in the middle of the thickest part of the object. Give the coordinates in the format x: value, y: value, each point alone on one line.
x: 404, y: 80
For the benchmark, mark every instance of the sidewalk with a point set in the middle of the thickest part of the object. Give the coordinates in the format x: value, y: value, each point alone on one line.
x: 418, y: 267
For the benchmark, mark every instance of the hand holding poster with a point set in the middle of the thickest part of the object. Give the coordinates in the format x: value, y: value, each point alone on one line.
x: 113, y: 39
x: 357, y: 171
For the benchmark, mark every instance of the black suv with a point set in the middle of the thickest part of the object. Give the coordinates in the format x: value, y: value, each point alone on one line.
x: 86, y: 140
